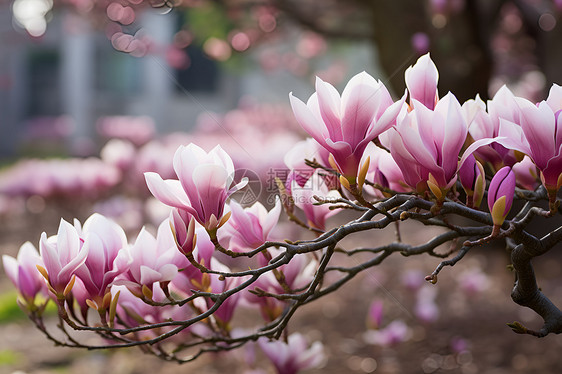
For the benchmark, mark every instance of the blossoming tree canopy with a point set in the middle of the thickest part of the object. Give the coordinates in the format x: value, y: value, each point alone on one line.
x: 426, y: 159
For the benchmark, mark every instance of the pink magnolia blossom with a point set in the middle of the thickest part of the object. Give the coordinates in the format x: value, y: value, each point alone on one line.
x: 383, y: 170
x: 345, y: 125
x: 294, y: 355
x: 203, y: 185
x: 486, y: 124
x: 248, y: 228
x: 298, y: 273
x: 294, y: 159
x: 526, y: 174
x: 153, y: 260
x: 108, y: 256
x: 426, y: 144
x: 183, y: 228
x: 421, y: 81
x: 62, y: 255
x: 500, y: 194
x: 316, y: 215
x: 23, y: 272
x: 539, y: 136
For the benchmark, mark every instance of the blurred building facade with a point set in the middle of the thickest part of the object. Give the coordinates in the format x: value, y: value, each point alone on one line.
x: 72, y: 75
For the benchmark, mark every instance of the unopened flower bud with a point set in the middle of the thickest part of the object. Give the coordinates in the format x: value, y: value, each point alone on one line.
x: 500, y: 194
x: 471, y: 175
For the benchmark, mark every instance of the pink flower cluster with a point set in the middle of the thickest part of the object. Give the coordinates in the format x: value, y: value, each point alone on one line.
x: 423, y: 140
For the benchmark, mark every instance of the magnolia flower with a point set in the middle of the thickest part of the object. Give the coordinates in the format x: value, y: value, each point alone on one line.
x: 500, y: 195
x: 486, y: 125
x: 203, y: 185
x: 294, y: 159
x: 426, y: 144
x: 421, y: 81
x: 153, y: 260
x: 23, y: 273
x: 182, y: 224
x: 526, y: 174
x: 248, y: 228
x: 383, y: 170
x: 108, y: 257
x: 304, y: 199
x: 62, y: 255
x: 298, y: 273
x: 294, y: 355
x: 345, y: 125
x: 539, y: 137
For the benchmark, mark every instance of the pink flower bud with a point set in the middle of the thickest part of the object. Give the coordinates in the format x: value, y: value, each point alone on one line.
x: 471, y: 175
x: 183, y: 227
x: 500, y: 194
x: 23, y: 273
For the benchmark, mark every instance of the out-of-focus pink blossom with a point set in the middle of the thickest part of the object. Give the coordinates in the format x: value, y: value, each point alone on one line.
x: 420, y: 43
x: 473, y: 281
x: 426, y: 309
x: 396, y: 332
x: 23, y: 272
x: 217, y: 49
x: 119, y: 13
x: 138, y: 130
x: 311, y: 45
x: 345, y: 125
x: 500, y: 194
x: 84, y: 178
x: 413, y: 279
x: 203, y: 185
x: 374, y: 318
x: 118, y: 153
x: 294, y: 355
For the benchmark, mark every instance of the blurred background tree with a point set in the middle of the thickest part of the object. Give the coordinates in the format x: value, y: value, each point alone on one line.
x: 478, y: 44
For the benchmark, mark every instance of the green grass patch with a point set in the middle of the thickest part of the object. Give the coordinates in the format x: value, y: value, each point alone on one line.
x: 9, y: 357
x: 10, y: 310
